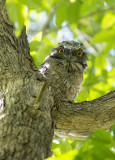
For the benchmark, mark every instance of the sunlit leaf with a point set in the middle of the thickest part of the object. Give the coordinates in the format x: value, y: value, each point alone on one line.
x: 65, y: 146
x: 104, y: 36
x: 56, y: 148
x: 111, y: 2
x: 61, y: 14
x: 97, y: 146
x: 32, y: 4
x: 82, y: 96
x: 108, y: 20
x: 113, y: 133
x: 33, y: 45
x: 66, y: 156
x: 102, y: 136
x: 73, y: 11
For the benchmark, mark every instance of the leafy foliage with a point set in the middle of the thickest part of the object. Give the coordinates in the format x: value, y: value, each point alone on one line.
x: 99, y: 146
x: 91, y: 22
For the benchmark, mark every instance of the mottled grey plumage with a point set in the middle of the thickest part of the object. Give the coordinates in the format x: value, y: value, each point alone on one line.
x: 64, y: 68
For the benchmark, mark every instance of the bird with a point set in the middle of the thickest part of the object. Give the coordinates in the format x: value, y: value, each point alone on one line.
x: 64, y: 69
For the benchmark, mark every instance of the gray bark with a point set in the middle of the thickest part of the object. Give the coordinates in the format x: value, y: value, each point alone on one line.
x: 26, y: 128
x: 82, y: 119
x: 26, y: 103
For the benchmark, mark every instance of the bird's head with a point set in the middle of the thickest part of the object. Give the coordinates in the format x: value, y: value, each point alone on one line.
x: 73, y: 53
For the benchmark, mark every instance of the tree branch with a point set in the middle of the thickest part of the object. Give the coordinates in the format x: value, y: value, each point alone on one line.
x: 97, y: 12
x: 46, y: 25
x: 81, y: 119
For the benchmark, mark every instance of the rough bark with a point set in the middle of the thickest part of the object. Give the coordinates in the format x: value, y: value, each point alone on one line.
x: 81, y: 119
x: 26, y: 103
x: 26, y: 127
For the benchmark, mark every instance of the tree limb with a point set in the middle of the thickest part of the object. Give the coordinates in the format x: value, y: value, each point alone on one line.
x: 81, y: 119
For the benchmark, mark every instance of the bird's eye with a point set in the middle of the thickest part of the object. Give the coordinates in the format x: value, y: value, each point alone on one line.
x: 61, y: 50
x: 79, y: 53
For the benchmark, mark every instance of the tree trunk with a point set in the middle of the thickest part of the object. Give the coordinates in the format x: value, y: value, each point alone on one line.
x: 26, y: 127
x: 26, y: 103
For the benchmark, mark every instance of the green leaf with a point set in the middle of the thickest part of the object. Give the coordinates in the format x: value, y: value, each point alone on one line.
x: 82, y: 96
x: 108, y: 20
x: 66, y: 156
x: 104, y: 36
x: 100, y: 60
x: 56, y: 148
x: 68, y: 11
x: 33, y: 45
x: 113, y: 133
x: 102, y: 143
x: 111, y: 2
x: 108, y: 47
x: 55, y: 2
x: 35, y: 41
x: 91, y: 6
x: 61, y: 14
x: 73, y: 11
x: 102, y: 136
x: 43, y: 51
x: 32, y: 4
x: 65, y: 146
x: 97, y: 147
